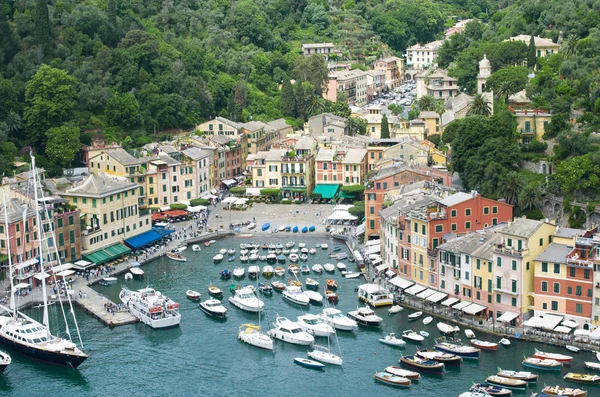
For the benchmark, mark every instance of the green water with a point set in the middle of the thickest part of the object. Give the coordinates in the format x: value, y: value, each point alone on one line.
x: 204, y: 357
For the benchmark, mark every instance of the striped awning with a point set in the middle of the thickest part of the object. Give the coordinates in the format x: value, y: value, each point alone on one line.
x: 415, y: 289
x: 450, y: 301
x: 461, y: 305
x: 425, y: 294
x: 437, y: 296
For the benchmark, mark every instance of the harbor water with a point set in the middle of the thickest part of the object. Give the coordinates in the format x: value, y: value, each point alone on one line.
x: 204, y: 357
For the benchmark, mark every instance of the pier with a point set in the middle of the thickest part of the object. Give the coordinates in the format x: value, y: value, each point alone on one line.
x: 93, y: 303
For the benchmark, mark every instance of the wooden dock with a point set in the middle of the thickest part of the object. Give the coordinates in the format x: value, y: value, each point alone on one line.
x: 93, y: 303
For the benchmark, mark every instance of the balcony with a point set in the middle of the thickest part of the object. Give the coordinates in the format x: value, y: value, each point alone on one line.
x: 588, y: 264
x: 506, y: 291
x: 501, y: 249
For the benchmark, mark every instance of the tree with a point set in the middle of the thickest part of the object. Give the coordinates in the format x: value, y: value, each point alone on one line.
x: 395, y: 109
x: 531, y: 54
x: 530, y: 196
x: 358, y: 209
x: 510, y: 187
x: 123, y: 110
x: 385, y: 128
x: 480, y: 106
x: 427, y: 103
x: 288, y: 101
x: 508, y: 81
x: 43, y: 34
x: 50, y: 97
x: 63, y: 144
x: 571, y: 44
x: 14, y: 123
x: 312, y: 69
x: 356, y: 125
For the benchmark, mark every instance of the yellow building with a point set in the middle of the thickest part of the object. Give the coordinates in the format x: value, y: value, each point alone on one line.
x: 543, y: 47
x: 531, y: 124
x: 220, y: 126
x: 109, y: 213
x: 437, y: 157
x: 432, y: 122
x: 266, y: 171
x: 418, y: 241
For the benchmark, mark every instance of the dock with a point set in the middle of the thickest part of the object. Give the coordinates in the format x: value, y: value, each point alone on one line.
x: 93, y: 303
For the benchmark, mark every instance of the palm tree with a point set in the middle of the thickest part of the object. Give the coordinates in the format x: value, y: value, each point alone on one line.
x: 426, y: 103
x: 530, y: 196
x: 571, y: 44
x: 510, y: 187
x: 440, y: 108
x: 14, y: 123
x: 480, y: 106
x: 316, y: 105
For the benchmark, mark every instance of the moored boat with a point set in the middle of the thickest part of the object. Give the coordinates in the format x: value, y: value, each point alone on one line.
x: 555, y: 391
x: 265, y: 289
x: 314, y: 325
x: 459, y: 350
x: 504, y: 342
x: 469, y: 333
x: 389, y: 379
x: 573, y: 349
x: 245, y: 299
x: 279, y: 271
x: 331, y: 296
x: 311, y: 284
x: 278, y: 285
x: 225, y: 274
x: 218, y: 258
x: 484, y: 345
x: 562, y: 358
x: 322, y: 353
x: 314, y: 297
x: 427, y: 320
x: 151, y: 307
x: 5, y: 360
x: 544, y: 364
x: 213, y: 307
x: 506, y: 382
x: 581, y: 378
x: 446, y: 358
x: 491, y: 390
x: 415, y: 315
x: 336, y: 318
x: 295, y: 295
x: 422, y: 365
x: 365, y: 316
x: 250, y: 333
x: 392, y: 340
x: 412, y: 336
x: 290, y: 332
x: 214, y: 291
x: 192, y: 295
x: 331, y: 284
x: 312, y: 364
x: 317, y: 268
x: 447, y: 329
x: 196, y: 248
x: 412, y: 375
x: 526, y: 376
x: 174, y: 256
x: 239, y: 272
x: 395, y: 309
x: 592, y: 365
x: 329, y: 267
x: 267, y: 271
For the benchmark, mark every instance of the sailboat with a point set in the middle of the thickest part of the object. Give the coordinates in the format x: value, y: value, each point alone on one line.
x: 323, y: 354
x: 250, y: 333
x: 22, y: 333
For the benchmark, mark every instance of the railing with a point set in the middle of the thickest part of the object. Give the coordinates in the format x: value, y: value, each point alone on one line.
x: 499, y: 249
x: 580, y: 262
x: 506, y: 291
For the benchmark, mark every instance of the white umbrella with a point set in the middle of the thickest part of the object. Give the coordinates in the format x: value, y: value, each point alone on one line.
x: 22, y: 285
x: 39, y: 276
x: 65, y: 273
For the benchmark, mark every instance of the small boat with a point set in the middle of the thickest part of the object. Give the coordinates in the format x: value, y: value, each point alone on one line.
x: 5, y: 360
x: 265, y: 227
x: 176, y: 257
x: 311, y: 229
x: 528, y: 377
x: 301, y: 245
x: 469, y: 333
x: 322, y: 353
x: 562, y: 358
x: 304, y: 257
x: 290, y: 244
x: 324, y: 246
x: 582, y: 378
x: 392, y: 340
x: 244, y: 258
x: 304, y: 269
x: 271, y: 258
x: 305, y: 229
x: 459, y: 350
x: 331, y: 284
x: 295, y: 295
x: 573, y: 349
x: 554, y: 391
x: 245, y: 299
x: 293, y: 258
x: 250, y: 333
x: 262, y: 258
x: 389, y: 379
x: 265, y: 289
x: 281, y: 228
x: 312, y: 251
x: 592, y: 365
x: 128, y: 276
x: 180, y: 248
x: 305, y: 362
x: 441, y: 357
x: 223, y: 251
x: 279, y: 271
x: 506, y: 382
x: 278, y: 285
x: 504, y: 342
x: 484, y: 345
x: 253, y: 271
x: 329, y: 267
x: 424, y: 334
x: 352, y: 275
x: 412, y: 336
x: 335, y: 249
x: 231, y: 259
x: 267, y: 271
x: 218, y: 258
x: 108, y: 281
x: 365, y: 316
x: 295, y: 229
x: 225, y: 274
x: 341, y: 266
x: 192, y: 295
x: 392, y: 369
x: 281, y: 258
x: 251, y: 226
x: 239, y: 272
x: 311, y: 284
x: 213, y: 307
x: 214, y: 291
x: 491, y: 390
x: 331, y: 296
x: 415, y: 315
x: 136, y: 271
x: 233, y: 288
x: 196, y: 248
x: 294, y: 283
x: 447, y: 329
x: 230, y: 251
x: 253, y: 257
x: 395, y: 309
x: 210, y: 242
x: 314, y: 297
x: 427, y: 320
x: 544, y: 364
x: 422, y: 365
x: 336, y: 318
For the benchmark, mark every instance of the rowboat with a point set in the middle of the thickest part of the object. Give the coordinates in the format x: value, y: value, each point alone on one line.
x: 427, y: 320
x: 545, y: 364
x: 395, y: 309
x: 422, y: 365
x: 295, y: 229
x: 484, y: 345
x: 441, y: 357
x: 176, y: 257
x: 265, y: 289
x: 279, y: 271
x: 331, y: 296
x: 265, y: 227
x: 192, y: 295
x: 592, y: 365
x: 331, y: 283
x: 311, y: 229
x: 305, y: 362
x: 447, y: 329
x: 504, y: 342
x: 563, y: 392
x: 415, y: 315
x: 573, y: 349
x: 506, y: 382
x: 582, y: 378
x: 392, y: 340
x: 251, y: 226
x: 526, y: 376
x: 389, y: 379
x: 214, y: 291
x: 305, y: 229
x: 278, y: 285
x: 392, y: 369
x: 469, y: 333
x: 311, y: 284
x: 562, y: 358
x: 225, y: 274
x: 491, y: 390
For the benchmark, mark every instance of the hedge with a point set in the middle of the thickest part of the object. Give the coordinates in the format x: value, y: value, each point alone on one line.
x: 353, y: 189
x: 178, y: 206
x: 199, y: 201
x: 297, y: 201
x: 270, y: 192
x: 238, y: 190
x: 358, y: 209
x: 286, y: 201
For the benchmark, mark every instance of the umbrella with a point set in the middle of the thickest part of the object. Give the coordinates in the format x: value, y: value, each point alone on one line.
x: 22, y: 285
x: 562, y: 329
x: 65, y: 273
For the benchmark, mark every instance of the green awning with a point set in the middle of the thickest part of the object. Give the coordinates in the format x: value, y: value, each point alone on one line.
x: 117, y: 250
x: 106, y: 254
x: 326, y: 191
x: 98, y: 257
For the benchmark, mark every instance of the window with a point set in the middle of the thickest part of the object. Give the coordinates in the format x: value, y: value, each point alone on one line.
x: 478, y: 264
x: 557, y: 288
x: 498, y: 298
x: 544, y: 267
x: 494, y: 210
x: 468, y: 212
x: 556, y: 268
x: 453, y: 227
x: 372, y: 223
x: 494, y: 221
x: 545, y: 306
x: 467, y: 225
x: 453, y: 213
x: 544, y: 286
x: 578, y: 308
x: 59, y: 222
x: 555, y: 305
x: 371, y: 210
x: 486, y: 210
x: 439, y: 228
x: 443, y: 284
x: 514, y: 285
x: 586, y: 273
x: 513, y: 302
x: 570, y: 290
x: 489, y: 298
x: 514, y: 264
x: 72, y: 236
x: 499, y: 261
x: 498, y: 282
x: 572, y: 272
x: 489, y: 266
x: 578, y: 290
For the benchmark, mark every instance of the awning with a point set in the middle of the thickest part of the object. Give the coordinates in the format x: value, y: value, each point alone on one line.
x: 229, y: 200
x: 143, y: 239
x: 326, y: 191
x: 344, y: 194
x: 26, y: 263
x: 382, y: 267
x: 374, y: 249
x: 595, y: 334
x: 229, y: 182
x: 176, y: 213
x: 473, y: 308
x: 107, y: 254
x: 570, y: 323
x: 253, y: 191
x: 372, y: 242
x: 157, y: 216
x: 82, y: 263
x: 98, y: 257
x: 197, y: 208
x: 550, y: 321
x: 65, y: 273
x: 117, y: 250
x: 450, y: 301
x: 163, y: 232
x: 562, y: 329
x: 461, y: 305
x: 507, y: 317
x: 425, y: 294
x: 401, y: 283
x: 582, y: 332
x: 22, y: 285
x: 60, y: 268
x: 390, y: 273
x: 415, y: 289
x: 535, y: 322
x: 39, y: 276
x: 375, y: 261
x: 437, y: 296
x: 341, y: 216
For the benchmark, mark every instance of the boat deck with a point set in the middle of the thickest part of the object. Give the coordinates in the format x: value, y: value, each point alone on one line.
x: 92, y: 302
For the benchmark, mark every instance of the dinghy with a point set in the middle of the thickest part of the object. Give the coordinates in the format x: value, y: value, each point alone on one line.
x: 395, y: 309
x: 427, y: 320
x: 392, y: 340
x: 415, y: 315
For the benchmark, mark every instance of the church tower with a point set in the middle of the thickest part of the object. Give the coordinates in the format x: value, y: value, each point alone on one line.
x: 485, y: 70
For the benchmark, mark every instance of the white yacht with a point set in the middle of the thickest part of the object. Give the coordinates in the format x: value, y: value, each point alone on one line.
x: 250, y: 333
x: 317, y: 268
x: 294, y: 257
x: 253, y: 257
x: 218, y: 258
x: 296, y: 295
x: 253, y: 271
x: 322, y: 353
x: 365, y: 316
x: 290, y: 332
x: 151, y: 307
x: 329, y: 267
x: 245, y: 299
x: 239, y: 272
x: 341, y: 266
x: 315, y: 325
x: 337, y: 319
x: 213, y: 307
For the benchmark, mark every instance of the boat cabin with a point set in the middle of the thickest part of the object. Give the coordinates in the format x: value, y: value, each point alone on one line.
x: 375, y: 295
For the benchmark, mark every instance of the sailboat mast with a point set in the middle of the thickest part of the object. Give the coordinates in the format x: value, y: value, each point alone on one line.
x: 12, y: 305
x: 40, y: 244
